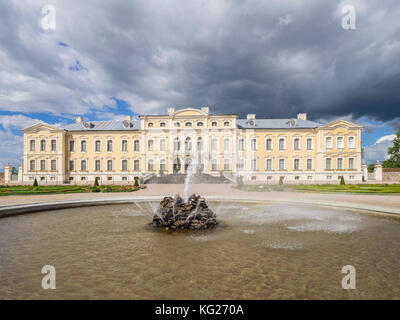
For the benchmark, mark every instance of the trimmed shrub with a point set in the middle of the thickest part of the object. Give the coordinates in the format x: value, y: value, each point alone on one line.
x: 342, y: 181
x: 35, y: 184
x: 96, y: 182
x: 136, y: 184
x: 280, y: 181
x: 239, y: 181
x: 95, y: 189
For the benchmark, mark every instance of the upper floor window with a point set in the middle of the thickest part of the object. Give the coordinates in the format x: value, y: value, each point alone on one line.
x: 163, y: 145
x: 53, y: 165
x: 97, y: 145
x: 162, y: 124
x: 109, y: 145
x: 53, y: 144
x: 136, y: 145
x: 83, y: 146
x: 241, y: 144
x: 124, y: 165
x: 83, y: 165
x: 32, y: 165
x: 253, y: 144
x: 42, y: 145
x: 32, y: 145
x: 71, y: 165
x: 328, y: 164
x: 309, y: 144
x: 150, y: 145
x: 177, y: 144
x: 42, y: 165
x: 268, y: 144
x: 72, y: 146
x: 109, y: 165
x: 340, y: 142
x: 351, y: 143
x: 281, y: 144
x: 150, y: 125
x: 188, y: 144
x: 177, y: 124
x: 253, y: 164
x: 296, y: 164
x: 226, y: 124
x: 124, y: 145
x: 328, y: 142
x: 351, y: 163
x: 309, y: 164
x: 199, y: 124
x: 214, y: 123
x: 340, y: 163
x: 281, y: 164
x: 296, y: 144
x: 226, y: 144
x: 269, y: 165
x: 188, y: 124
x: 97, y: 165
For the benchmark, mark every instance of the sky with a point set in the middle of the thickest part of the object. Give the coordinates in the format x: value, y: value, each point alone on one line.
x: 105, y: 59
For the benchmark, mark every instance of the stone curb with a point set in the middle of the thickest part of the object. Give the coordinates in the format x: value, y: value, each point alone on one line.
x: 12, y: 210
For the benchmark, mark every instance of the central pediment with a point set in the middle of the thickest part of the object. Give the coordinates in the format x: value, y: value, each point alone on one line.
x: 187, y: 112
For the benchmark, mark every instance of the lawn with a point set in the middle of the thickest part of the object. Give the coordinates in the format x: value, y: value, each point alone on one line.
x: 329, y: 188
x: 28, y: 190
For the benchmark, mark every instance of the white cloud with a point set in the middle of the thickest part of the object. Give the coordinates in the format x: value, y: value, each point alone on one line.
x: 378, y: 151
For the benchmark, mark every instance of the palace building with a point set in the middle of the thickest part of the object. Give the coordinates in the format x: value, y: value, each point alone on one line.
x: 260, y: 150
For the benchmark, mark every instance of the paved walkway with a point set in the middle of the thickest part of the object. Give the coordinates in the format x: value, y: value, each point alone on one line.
x: 384, y: 203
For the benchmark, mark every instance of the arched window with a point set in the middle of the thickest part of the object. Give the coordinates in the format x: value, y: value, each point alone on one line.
x: 177, y: 124
x: 109, y: 145
x: 214, y: 123
x: 226, y: 124
x: 188, y: 124
x: 188, y: 144
x: 162, y: 124
x: 150, y: 125
x: 199, y: 124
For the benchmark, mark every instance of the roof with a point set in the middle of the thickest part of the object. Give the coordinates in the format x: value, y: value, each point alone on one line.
x: 277, y: 124
x: 114, y: 125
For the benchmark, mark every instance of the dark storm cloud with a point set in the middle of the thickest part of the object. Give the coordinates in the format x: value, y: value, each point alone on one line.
x: 272, y: 58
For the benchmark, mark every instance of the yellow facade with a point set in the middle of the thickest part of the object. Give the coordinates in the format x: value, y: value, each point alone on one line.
x: 260, y: 150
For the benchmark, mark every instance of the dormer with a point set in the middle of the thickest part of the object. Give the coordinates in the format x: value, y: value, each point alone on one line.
x: 302, y: 116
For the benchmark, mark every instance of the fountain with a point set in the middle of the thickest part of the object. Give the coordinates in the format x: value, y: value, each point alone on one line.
x: 175, y: 214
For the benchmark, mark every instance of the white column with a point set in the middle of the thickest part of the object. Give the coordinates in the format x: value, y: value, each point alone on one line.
x: 7, y: 173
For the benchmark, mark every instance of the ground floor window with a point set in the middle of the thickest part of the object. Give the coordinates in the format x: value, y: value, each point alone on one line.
x: 227, y: 164
x: 214, y: 165
x: 124, y: 178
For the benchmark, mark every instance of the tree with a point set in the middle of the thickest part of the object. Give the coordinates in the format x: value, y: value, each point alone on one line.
x: 35, y: 184
x: 280, y: 181
x: 342, y: 181
x: 136, y: 185
x: 371, y: 167
x: 96, y: 182
x: 394, y: 154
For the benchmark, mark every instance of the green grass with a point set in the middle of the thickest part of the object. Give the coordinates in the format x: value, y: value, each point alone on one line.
x: 30, y: 190
x: 329, y: 188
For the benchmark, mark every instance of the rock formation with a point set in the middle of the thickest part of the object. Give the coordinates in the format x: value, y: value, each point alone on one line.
x: 175, y: 214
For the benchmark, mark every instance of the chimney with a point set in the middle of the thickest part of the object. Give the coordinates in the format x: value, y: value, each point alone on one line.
x: 302, y: 116
x: 251, y: 116
x: 171, y: 111
x: 79, y: 119
x: 205, y: 109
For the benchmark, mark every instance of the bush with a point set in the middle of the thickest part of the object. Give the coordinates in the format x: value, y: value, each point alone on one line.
x: 96, y: 182
x: 161, y: 172
x: 239, y: 181
x: 136, y: 185
x: 95, y: 189
x: 342, y: 181
x: 280, y: 181
x: 35, y: 184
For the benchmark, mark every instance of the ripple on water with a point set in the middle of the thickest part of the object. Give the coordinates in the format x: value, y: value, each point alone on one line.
x: 283, y: 245
x: 329, y: 227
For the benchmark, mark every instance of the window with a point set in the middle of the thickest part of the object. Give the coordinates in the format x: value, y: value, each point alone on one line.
x: 253, y: 144
x: 32, y: 145
x: 328, y: 142
x: 241, y: 164
x: 109, y: 165
x: 124, y: 165
x: 281, y: 164
x: 150, y: 145
x: 32, y: 165
x: 83, y: 165
x: 296, y: 144
x: 351, y: 163
x: 150, y: 165
x: 241, y: 144
x: 296, y: 164
x: 97, y: 165
x: 42, y: 165
x: 188, y: 124
x: 177, y: 144
x: 136, y: 145
x: 124, y: 145
x: 328, y: 177
x: 109, y: 178
x: 281, y: 144
x: 53, y: 144
x: 340, y: 163
x: 177, y: 124
x: 214, y: 123
x: 309, y: 164
x: 83, y: 178
x: 351, y: 142
x: 42, y: 145
x: 269, y: 165
x: 199, y: 124
x: 297, y: 178
x: 109, y: 145
x: 268, y: 144
x: 226, y: 124
x: 214, y: 165
x: 71, y: 165
x: 163, y: 145
x: 150, y: 125
x: 162, y: 124
x: 226, y: 144
x: 162, y: 165
x: 53, y: 165
x: 340, y: 142
x: 214, y: 145
x: 328, y: 163
x: 72, y: 146
x: 253, y: 164
x: 227, y: 165
x: 83, y: 146
x: 124, y: 178
x: 188, y: 144
x: 136, y: 165
x: 97, y: 145
x: 269, y: 177
x: 199, y: 144
x: 309, y: 144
